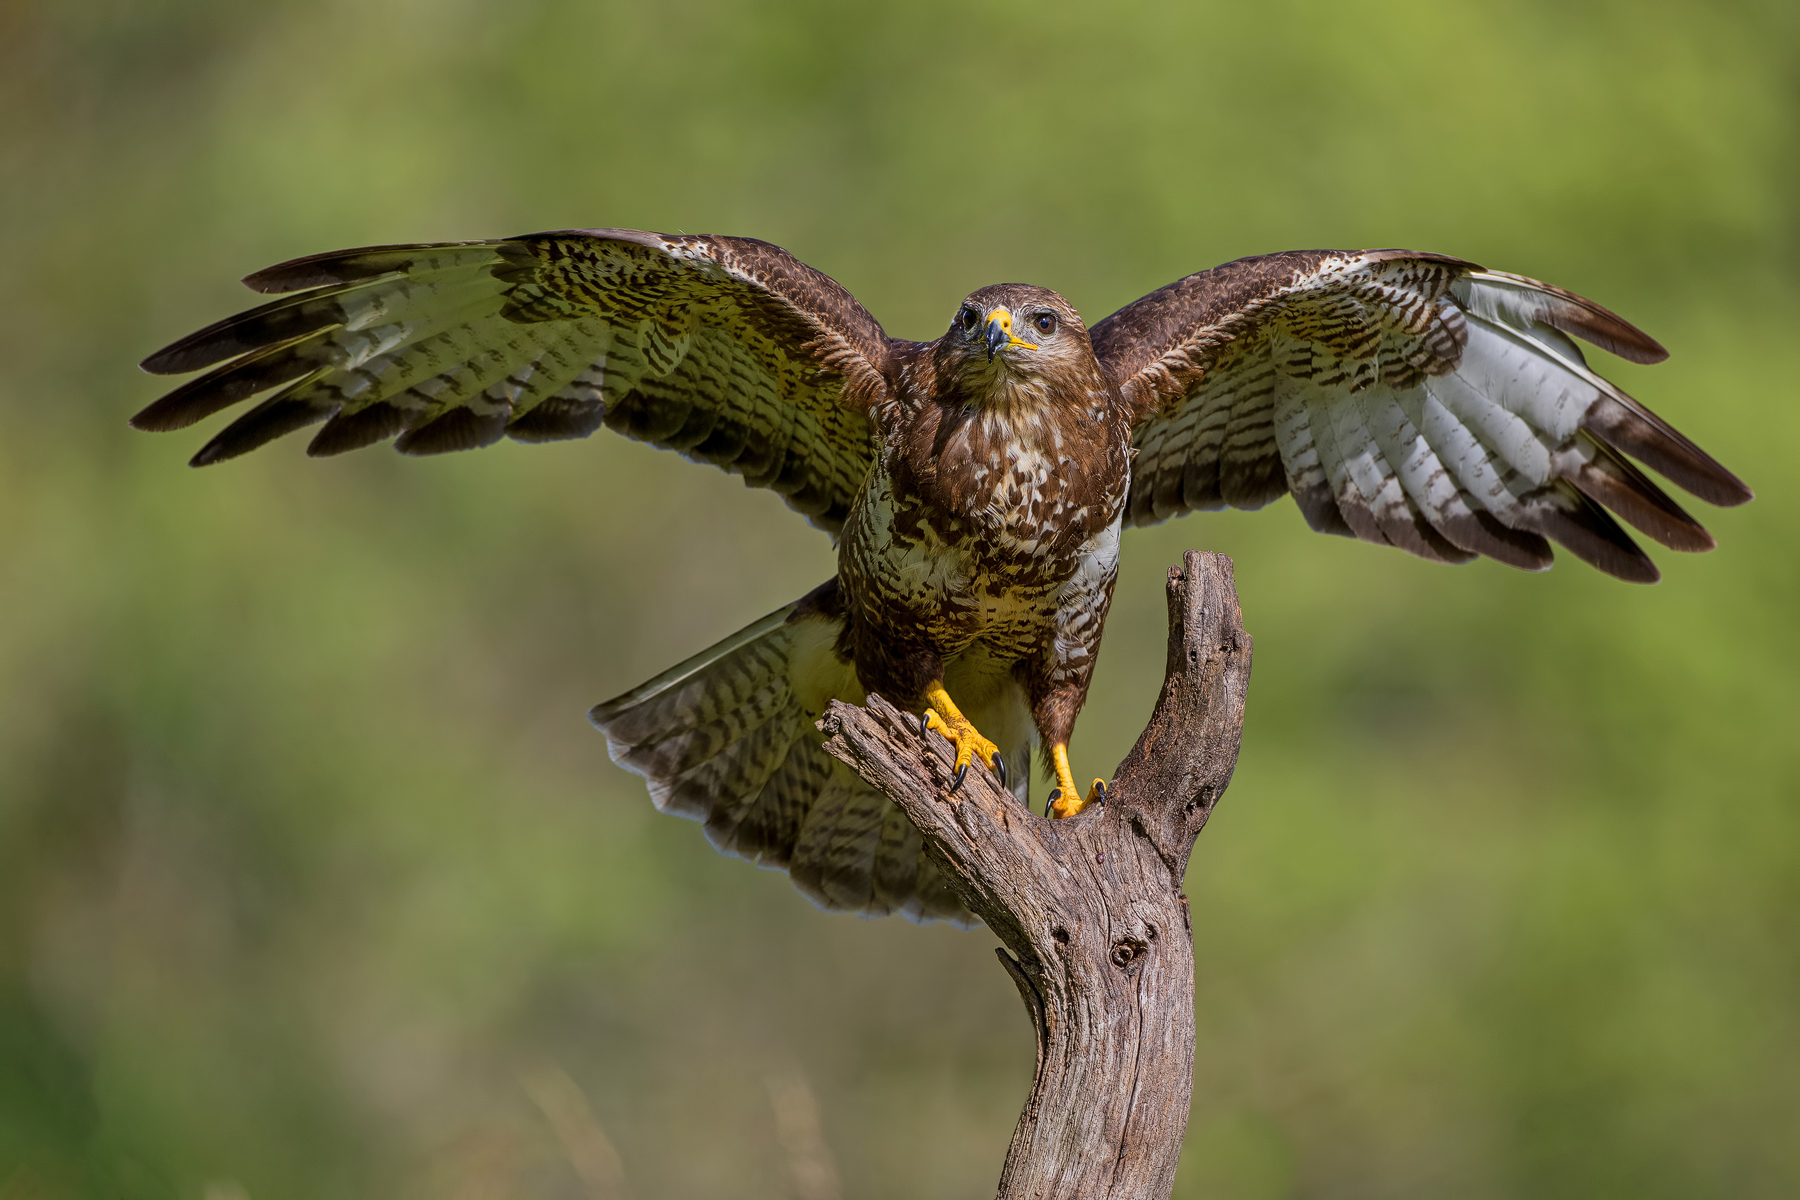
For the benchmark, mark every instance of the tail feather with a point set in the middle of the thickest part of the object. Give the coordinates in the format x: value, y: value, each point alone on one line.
x: 764, y: 826
x: 834, y: 862
x: 766, y: 716
x: 894, y: 867
x: 728, y: 738
x: 698, y: 689
x: 738, y: 768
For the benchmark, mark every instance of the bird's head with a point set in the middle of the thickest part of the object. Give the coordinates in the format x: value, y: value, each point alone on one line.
x: 1008, y: 342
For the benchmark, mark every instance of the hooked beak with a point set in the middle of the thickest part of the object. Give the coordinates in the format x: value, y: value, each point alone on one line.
x: 997, y: 335
x: 1000, y: 333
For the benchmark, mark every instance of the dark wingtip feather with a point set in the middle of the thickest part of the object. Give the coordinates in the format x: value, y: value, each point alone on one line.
x: 178, y: 358
x: 1568, y: 516
x: 1607, y: 330
x: 337, y: 266
x: 1635, y: 430
x: 1480, y: 532
x: 461, y: 428
x: 268, y: 325
x: 558, y: 419
x: 1582, y: 318
x: 349, y: 431
x: 166, y: 414
x: 273, y: 418
x: 1614, y: 482
x: 200, y: 398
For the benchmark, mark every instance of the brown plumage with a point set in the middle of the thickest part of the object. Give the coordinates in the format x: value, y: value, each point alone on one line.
x: 976, y: 485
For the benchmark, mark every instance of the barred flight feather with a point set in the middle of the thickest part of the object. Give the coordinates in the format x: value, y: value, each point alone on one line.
x: 728, y: 738
x: 1419, y: 401
x: 724, y: 349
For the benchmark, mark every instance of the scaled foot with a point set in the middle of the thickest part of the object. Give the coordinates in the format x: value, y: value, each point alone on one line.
x: 1065, y: 801
x: 947, y: 719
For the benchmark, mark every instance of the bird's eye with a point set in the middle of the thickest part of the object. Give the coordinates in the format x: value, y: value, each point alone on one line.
x: 969, y: 318
x: 1045, y: 322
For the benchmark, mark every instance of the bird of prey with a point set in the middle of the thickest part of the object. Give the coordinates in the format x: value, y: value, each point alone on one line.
x: 975, y: 485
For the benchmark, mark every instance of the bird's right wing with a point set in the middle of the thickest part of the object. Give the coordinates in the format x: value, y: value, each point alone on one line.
x: 728, y: 350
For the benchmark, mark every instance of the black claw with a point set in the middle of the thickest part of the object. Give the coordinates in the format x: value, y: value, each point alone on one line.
x: 960, y: 772
x: 924, y: 725
x: 1000, y: 768
x: 1050, y: 802
x: 1099, y: 791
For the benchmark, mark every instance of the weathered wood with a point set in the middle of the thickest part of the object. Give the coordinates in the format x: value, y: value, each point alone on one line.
x: 1090, y: 909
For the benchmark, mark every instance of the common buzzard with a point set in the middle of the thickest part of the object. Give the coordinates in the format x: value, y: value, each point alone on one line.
x: 975, y: 485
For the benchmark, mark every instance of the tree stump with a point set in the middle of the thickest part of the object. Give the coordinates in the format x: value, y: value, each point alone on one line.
x: 1096, y: 929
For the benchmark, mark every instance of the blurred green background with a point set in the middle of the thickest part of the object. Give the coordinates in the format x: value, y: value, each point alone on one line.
x: 314, y: 881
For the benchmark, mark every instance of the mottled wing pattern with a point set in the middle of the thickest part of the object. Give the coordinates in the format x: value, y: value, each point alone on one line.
x: 729, y: 738
x: 727, y: 350
x: 1403, y: 398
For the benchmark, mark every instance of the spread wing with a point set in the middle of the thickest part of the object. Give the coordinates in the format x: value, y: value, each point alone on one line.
x: 728, y: 350
x: 1404, y: 398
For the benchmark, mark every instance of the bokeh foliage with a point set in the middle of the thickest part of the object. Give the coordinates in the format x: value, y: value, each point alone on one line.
x: 308, y: 858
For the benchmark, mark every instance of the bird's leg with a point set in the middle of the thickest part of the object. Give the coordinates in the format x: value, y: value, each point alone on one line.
x: 947, y: 719
x: 1065, y: 801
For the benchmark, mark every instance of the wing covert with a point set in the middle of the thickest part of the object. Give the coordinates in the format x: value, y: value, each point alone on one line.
x: 727, y: 350
x: 1407, y: 399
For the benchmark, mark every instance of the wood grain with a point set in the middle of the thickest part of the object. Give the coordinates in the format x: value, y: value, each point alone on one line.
x: 1095, y: 929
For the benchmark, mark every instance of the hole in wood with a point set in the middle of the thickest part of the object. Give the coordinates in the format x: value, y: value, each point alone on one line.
x: 1127, y: 951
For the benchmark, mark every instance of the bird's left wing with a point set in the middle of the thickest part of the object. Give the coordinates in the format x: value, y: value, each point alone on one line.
x: 728, y: 350
x: 1404, y: 398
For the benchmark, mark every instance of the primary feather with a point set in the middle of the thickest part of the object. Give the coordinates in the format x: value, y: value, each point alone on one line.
x: 1407, y: 399
x: 724, y: 349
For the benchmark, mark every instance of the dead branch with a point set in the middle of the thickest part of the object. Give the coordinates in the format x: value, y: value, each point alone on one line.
x: 1090, y: 909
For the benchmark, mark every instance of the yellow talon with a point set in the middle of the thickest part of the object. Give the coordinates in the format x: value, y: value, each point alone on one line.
x: 959, y: 731
x: 1064, y: 801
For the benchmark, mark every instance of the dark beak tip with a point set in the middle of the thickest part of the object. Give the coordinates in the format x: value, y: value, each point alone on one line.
x: 997, y: 337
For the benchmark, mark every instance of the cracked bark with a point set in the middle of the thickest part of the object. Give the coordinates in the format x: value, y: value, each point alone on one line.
x: 1096, y: 930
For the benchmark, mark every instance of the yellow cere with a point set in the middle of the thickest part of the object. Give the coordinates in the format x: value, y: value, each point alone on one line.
x: 1005, y: 318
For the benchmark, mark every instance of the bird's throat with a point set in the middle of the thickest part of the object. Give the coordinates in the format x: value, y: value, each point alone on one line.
x: 1009, y: 395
